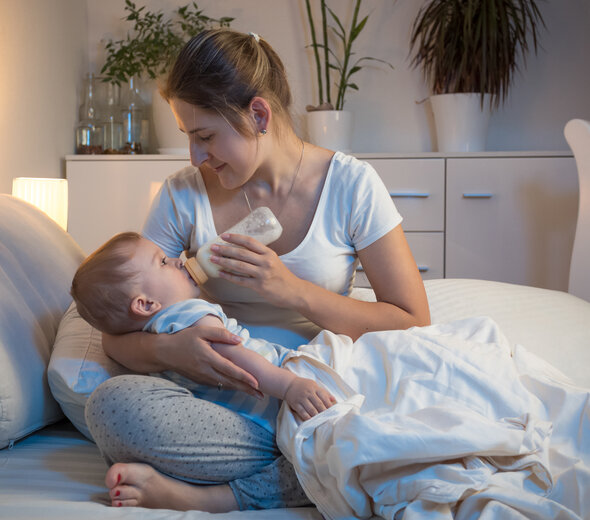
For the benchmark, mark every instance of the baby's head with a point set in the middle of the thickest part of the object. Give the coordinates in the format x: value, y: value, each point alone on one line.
x: 126, y: 281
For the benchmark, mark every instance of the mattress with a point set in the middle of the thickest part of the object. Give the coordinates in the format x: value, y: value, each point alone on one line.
x: 57, y: 474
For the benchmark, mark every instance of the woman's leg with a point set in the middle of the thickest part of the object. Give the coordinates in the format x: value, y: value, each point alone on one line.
x: 156, y: 422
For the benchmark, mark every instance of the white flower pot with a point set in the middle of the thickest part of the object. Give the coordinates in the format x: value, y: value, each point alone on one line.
x: 330, y: 129
x: 169, y: 139
x: 461, y: 123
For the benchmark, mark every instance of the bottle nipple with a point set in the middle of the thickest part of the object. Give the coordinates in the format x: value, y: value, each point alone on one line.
x: 196, y: 271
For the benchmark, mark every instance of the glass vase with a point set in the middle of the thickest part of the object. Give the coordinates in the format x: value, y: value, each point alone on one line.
x: 89, y: 131
x: 133, y: 115
x: 112, y: 125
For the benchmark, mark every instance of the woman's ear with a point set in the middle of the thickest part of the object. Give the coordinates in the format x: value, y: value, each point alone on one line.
x: 144, y: 307
x: 262, y: 114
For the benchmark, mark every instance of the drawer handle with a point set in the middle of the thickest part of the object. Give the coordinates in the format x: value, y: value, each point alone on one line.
x: 477, y: 195
x: 421, y: 268
x: 409, y: 195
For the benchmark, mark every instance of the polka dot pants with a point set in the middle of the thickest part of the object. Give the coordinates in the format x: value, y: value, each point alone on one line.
x: 151, y: 420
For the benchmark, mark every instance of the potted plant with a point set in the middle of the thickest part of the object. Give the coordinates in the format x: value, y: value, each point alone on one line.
x: 469, y: 51
x: 147, y: 52
x: 329, y: 125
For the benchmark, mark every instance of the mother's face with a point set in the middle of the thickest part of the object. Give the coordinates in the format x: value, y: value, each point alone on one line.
x: 215, y: 145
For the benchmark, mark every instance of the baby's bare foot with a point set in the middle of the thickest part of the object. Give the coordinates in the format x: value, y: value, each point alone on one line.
x: 141, y: 485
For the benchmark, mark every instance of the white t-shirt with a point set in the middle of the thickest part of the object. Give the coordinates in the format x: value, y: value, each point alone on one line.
x: 183, y: 314
x: 354, y: 211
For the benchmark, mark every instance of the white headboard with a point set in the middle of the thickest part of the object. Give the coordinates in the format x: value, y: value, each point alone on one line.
x: 577, y: 133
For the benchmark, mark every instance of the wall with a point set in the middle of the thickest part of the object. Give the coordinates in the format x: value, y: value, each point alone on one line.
x: 43, y: 51
x: 388, y: 116
x: 46, y: 47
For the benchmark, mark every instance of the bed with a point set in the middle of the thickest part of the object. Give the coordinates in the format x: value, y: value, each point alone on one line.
x: 49, y: 361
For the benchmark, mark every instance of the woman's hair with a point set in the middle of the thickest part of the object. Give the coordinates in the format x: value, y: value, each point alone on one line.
x: 104, y: 284
x: 223, y: 70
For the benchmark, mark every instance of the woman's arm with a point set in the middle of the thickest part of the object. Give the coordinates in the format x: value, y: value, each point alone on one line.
x: 390, y: 268
x: 187, y: 352
x: 394, y: 276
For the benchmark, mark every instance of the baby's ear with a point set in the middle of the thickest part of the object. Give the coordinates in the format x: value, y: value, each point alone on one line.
x: 145, y: 307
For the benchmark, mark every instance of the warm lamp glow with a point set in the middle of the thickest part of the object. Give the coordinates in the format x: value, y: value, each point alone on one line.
x: 49, y: 195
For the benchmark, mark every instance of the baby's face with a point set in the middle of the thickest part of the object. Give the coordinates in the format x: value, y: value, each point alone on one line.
x: 163, y: 279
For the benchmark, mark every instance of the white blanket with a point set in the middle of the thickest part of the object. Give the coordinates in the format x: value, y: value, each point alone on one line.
x: 446, y: 420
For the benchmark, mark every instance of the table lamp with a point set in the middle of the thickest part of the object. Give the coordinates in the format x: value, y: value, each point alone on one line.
x: 50, y: 195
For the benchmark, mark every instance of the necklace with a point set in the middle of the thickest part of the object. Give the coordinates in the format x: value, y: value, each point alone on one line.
x: 292, y: 183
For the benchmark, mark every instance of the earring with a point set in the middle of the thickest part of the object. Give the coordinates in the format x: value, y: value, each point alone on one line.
x: 263, y: 131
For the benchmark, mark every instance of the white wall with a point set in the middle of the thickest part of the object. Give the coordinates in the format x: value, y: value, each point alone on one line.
x: 554, y: 87
x: 43, y: 52
x: 47, y: 46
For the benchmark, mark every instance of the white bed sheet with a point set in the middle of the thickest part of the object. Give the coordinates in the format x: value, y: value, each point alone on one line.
x: 57, y: 474
x: 452, y: 418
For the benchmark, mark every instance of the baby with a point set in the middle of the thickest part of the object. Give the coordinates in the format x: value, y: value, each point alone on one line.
x: 129, y: 284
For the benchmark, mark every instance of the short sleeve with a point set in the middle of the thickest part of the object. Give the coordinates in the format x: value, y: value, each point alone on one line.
x: 373, y: 213
x: 170, y: 220
x: 182, y: 315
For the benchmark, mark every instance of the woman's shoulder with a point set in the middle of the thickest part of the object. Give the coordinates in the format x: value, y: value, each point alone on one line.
x: 351, y: 165
x: 351, y: 174
x: 189, y: 176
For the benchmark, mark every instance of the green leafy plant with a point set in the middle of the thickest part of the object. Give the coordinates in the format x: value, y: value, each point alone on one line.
x: 341, y: 64
x: 154, y: 41
x: 474, y: 45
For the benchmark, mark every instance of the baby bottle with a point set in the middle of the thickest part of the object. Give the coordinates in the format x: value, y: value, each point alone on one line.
x: 260, y: 224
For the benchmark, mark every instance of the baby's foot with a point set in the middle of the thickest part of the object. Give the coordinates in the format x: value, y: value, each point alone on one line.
x: 140, y: 485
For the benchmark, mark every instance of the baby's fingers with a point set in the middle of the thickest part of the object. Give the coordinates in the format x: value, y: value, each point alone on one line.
x: 301, y: 411
x: 326, y: 398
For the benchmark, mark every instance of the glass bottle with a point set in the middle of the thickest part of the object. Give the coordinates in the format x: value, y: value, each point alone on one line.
x: 261, y: 224
x: 134, y: 120
x: 89, y: 131
x: 112, y: 125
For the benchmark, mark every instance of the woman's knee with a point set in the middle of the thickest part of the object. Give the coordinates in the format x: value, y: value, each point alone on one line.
x: 116, y: 407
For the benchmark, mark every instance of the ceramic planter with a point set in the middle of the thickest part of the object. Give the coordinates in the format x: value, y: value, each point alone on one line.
x: 461, y: 122
x: 330, y: 129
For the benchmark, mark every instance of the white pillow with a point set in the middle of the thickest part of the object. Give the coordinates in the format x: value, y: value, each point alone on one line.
x: 37, y: 262
x: 553, y: 325
x: 78, y: 365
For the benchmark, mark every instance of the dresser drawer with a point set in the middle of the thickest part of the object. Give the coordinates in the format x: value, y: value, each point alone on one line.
x: 428, y: 251
x: 417, y: 187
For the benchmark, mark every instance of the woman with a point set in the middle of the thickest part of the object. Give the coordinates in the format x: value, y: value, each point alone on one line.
x: 229, y: 94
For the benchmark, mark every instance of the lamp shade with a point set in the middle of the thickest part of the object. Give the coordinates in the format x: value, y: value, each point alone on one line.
x: 48, y: 194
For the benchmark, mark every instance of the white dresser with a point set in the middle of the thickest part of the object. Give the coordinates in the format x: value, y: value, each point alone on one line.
x: 496, y: 216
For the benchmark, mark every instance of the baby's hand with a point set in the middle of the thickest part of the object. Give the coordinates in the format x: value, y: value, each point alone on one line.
x: 306, y: 398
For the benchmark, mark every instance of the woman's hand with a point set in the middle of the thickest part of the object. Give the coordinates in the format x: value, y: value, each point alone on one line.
x: 188, y: 352
x: 193, y: 356
x: 255, y: 266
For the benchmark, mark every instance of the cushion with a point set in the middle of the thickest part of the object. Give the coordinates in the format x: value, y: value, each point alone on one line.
x: 37, y: 262
x: 78, y: 365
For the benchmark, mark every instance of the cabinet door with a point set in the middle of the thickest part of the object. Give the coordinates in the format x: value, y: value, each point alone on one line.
x: 511, y: 219
x: 417, y: 187
x: 110, y: 196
